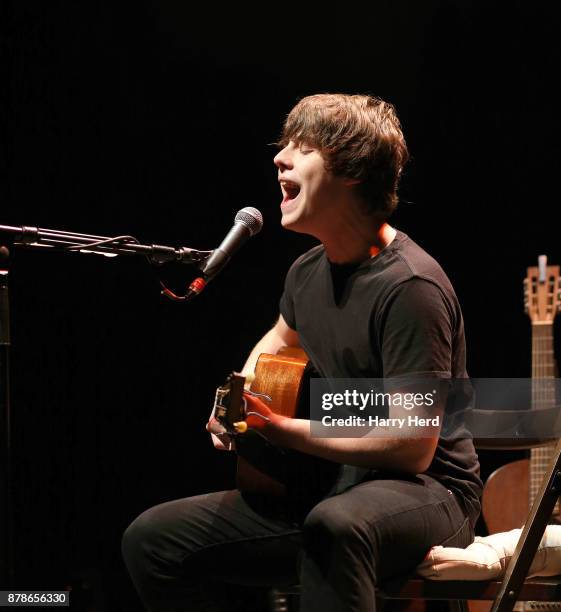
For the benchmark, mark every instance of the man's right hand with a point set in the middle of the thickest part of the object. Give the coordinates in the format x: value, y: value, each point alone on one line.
x: 220, y: 439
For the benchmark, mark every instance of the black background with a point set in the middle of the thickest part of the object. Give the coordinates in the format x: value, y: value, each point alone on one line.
x: 155, y: 119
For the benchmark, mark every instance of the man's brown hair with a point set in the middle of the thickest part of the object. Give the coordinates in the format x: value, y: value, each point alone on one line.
x: 359, y: 137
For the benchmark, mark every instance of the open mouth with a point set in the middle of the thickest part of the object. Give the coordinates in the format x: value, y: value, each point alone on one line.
x: 290, y: 191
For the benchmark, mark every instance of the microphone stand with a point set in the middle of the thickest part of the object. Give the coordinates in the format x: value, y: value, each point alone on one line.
x: 6, y: 493
x: 35, y: 237
x: 39, y: 238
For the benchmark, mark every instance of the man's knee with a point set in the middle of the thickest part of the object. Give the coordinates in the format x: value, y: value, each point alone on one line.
x: 331, y: 526
x: 165, y: 538
x: 150, y: 542
x: 139, y: 537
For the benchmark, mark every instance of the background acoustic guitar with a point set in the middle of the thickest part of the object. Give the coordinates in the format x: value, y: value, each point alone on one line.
x: 510, y: 491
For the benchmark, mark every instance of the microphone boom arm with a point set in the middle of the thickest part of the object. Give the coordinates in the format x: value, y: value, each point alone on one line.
x: 35, y: 237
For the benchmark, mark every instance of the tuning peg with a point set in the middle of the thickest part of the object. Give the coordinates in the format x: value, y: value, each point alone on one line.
x: 240, y: 427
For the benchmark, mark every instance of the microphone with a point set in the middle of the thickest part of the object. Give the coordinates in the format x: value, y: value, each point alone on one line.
x: 247, y: 223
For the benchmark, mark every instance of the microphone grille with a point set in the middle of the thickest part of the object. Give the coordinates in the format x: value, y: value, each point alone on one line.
x: 251, y: 218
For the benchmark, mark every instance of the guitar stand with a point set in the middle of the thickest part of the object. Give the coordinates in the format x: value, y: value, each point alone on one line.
x: 531, y: 536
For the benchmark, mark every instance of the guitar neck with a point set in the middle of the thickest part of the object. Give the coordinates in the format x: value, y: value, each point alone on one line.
x: 543, y: 396
x: 543, y: 362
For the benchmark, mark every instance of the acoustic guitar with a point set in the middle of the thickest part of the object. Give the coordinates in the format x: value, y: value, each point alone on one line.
x: 281, y: 381
x: 510, y: 490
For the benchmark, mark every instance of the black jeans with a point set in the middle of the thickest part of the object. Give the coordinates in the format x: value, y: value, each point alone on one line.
x: 181, y: 553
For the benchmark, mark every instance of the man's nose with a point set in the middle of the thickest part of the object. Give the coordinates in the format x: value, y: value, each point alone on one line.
x: 282, y: 159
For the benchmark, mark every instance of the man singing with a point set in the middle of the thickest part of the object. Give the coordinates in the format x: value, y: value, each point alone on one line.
x: 367, y: 302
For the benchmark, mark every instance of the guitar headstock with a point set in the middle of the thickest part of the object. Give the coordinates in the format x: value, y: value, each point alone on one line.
x: 228, y: 401
x: 542, y: 292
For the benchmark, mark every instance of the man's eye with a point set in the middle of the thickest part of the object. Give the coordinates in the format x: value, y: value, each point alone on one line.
x: 306, y: 150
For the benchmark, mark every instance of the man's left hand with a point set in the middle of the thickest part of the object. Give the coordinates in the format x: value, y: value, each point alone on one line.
x: 260, y: 417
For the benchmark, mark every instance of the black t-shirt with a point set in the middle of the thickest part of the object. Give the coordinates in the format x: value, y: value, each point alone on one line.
x: 394, y: 314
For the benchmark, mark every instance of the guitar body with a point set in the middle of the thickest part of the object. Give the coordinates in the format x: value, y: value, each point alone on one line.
x: 280, y: 377
x: 504, y: 502
x: 281, y: 381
